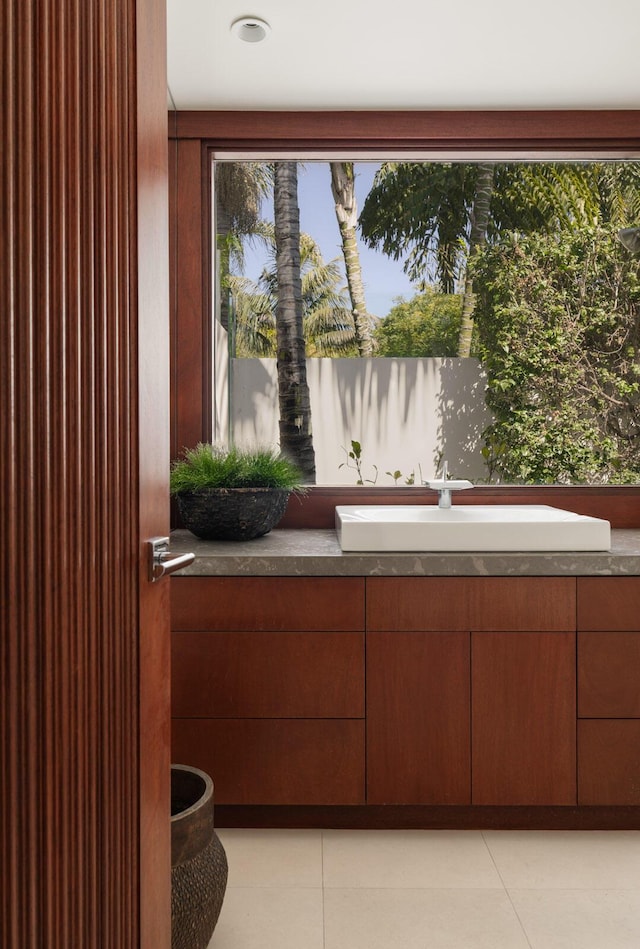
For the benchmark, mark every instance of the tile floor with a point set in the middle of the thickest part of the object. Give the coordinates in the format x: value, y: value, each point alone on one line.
x: 337, y: 889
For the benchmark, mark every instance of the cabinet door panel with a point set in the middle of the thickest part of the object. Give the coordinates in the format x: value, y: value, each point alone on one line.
x: 418, y: 718
x: 267, y: 675
x: 267, y: 603
x: 609, y: 762
x: 606, y: 603
x: 275, y: 761
x: 609, y: 675
x: 523, y: 718
x: 471, y: 603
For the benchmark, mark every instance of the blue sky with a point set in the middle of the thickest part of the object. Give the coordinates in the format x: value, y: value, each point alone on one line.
x: 384, y: 278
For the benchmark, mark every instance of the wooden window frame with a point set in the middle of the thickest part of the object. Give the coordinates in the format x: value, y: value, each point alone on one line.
x: 196, y: 137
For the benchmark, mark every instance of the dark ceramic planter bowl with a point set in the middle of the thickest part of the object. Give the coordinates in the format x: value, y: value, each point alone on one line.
x: 198, y: 860
x: 232, y: 513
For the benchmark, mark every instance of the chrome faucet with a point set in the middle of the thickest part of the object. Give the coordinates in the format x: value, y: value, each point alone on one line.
x: 444, y: 486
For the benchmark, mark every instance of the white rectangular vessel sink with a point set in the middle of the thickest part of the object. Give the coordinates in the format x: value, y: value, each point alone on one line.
x: 468, y: 527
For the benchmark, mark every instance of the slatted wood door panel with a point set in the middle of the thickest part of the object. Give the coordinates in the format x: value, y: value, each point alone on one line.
x: 418, y: 718
x: 523, y: 718
x: 84, y: 684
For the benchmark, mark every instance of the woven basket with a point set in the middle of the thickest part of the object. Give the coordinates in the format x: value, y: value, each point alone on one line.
x: 232, y: 513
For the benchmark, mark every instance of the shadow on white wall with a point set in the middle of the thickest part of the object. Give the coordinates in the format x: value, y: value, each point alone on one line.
x: 406, y: 413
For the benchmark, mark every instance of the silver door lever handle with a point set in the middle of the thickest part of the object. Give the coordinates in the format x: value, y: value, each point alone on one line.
x: 161, y: 563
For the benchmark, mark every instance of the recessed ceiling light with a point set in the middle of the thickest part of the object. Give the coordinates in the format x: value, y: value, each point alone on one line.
x: 250, y: 29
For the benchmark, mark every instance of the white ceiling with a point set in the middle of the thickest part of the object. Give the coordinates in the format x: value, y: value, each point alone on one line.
x: 407, y: 54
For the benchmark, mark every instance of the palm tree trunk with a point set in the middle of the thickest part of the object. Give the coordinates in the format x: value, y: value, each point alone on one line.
x: 344, y: 195
x: 477, y: 240
x: 293, y: 392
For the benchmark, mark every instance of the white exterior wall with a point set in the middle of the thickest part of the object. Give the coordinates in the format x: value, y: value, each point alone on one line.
x: 405, y: 413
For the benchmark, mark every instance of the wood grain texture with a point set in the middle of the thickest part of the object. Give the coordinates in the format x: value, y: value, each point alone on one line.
x: 609, y: 762
x: 418, y: 718
x: 523, y: 718
x: 84, y: 114
x: 431, y: 817
x: 443, y: 130
x: 150, y: 282
x: 190, y: 300
x: 276, y: 761
x: 608, y: 603
x: 619, y: 504
x: 268, y: 675
x: 271, y: 604
x: 609, y: 675
x: 470, y: 603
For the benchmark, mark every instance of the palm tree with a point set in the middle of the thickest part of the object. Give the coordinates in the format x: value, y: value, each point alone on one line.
x: 344, y: 196
x: 293, y: 392
x: 327, y: 320
x: 239, y: 188
x: 439, y: 214
x: 477, y: 239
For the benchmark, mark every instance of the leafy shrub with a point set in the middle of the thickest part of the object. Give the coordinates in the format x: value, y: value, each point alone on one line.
x: 426, y: 325
x: 558, y: 326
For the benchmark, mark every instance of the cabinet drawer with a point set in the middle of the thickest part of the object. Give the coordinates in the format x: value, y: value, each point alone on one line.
x: 275, y: 761
x: 609, y: 675
x: 471, y: 603
x: 608, y: 603
x: 609, y: 762
x: 267, y: 675
x: 267, y: 603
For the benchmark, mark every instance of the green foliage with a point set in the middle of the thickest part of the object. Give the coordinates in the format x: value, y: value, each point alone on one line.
x: 558, y: 321
x: 326, y: 312
x: 354, y: 461
x: 426, y: 325
x: 397, y: 475
x: 210, y: 466
x: 421, y: 211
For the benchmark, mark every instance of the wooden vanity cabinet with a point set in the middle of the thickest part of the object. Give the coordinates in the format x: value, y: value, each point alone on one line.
x: 470, y: 694
x: 471, y: 690
x: 609, y: 690
x: 268, y: 687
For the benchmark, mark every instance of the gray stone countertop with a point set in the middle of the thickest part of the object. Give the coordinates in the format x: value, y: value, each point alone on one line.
x: 315, y: 553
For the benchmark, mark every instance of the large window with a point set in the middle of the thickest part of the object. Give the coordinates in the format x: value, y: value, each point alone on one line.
x: 480, y: 311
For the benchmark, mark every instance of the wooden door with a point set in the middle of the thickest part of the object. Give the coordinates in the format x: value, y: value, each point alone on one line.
x: 84, y: 687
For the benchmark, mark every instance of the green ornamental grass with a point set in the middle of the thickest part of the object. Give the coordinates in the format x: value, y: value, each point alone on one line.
x: 209, y: 466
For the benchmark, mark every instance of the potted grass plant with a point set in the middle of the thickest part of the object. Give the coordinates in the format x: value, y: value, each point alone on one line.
x: 232, y: 494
